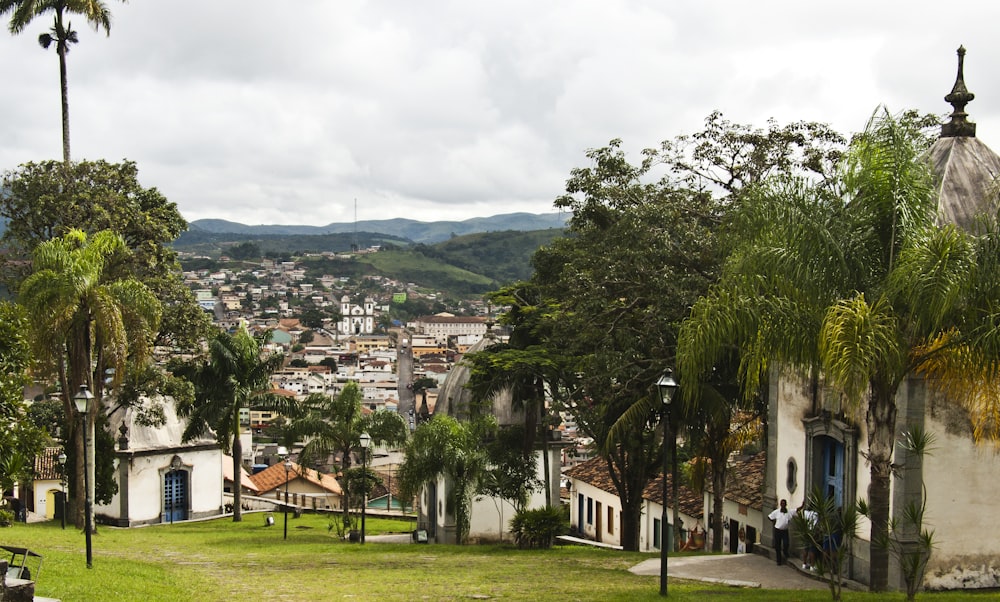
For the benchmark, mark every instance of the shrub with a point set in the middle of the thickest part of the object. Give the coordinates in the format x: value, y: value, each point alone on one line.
x: 6, y: 518
x: 538, y: 528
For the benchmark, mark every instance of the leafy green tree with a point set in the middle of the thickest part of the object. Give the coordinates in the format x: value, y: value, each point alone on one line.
x: 235, y: 375
x: 334, y: 424
x: 445, y: 447
x: 40, y: 205
x: 21, y: 439
x: 522, y: 366
x: 23, y: 12
x: 612, y: 296
x: 85, y: 321
x: 858, y: 284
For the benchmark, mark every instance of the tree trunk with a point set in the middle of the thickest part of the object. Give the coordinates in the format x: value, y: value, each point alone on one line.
x: 881, y: 422
x: 718, y: 493
x: 61, y: 48
x: 630, y: 523
x: 237, y: 477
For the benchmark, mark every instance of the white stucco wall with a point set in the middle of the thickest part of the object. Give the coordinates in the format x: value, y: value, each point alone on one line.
x: 599, y: 501
x: 962, y: 495
x: 145, y: 486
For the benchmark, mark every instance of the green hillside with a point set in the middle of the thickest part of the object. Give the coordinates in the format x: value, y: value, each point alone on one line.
x: 461, y: 266
x: 501, y: 256
x: 409, y: 266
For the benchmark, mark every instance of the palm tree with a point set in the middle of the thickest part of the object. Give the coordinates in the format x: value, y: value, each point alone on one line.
x: 62, y: 35
x: 858, y: 285
x: 334, y: 424
x: 445, y: 447
x: 234, y: 376
x: 83, y: 321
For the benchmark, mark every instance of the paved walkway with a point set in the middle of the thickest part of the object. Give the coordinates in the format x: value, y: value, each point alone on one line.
x: 738, y: 570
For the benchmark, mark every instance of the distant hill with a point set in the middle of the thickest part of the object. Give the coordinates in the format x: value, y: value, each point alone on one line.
x: 416, y: 231
x: 462, y: 265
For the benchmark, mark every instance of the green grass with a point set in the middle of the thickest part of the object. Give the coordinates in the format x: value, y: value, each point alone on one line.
x: 222, y: 560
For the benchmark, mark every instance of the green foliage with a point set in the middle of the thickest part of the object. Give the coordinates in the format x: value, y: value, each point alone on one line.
x: 6, y: 517
x: 244, y: 250
x: 831, y: 535
x: 538, y: 528
x: 511, y: 474
x: 504, y: 257
x: 445, y: 447
x: 851, y: 278
x: 333, y: 425
x: 235, y: 375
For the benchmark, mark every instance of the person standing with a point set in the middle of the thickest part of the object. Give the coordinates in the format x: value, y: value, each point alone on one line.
x: 782, y: 519
x: 809, y: 551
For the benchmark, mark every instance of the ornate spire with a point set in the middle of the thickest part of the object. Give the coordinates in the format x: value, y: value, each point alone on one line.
x: 960, y: 96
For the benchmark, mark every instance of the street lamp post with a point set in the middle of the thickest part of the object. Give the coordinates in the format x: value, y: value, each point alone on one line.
x: 667, y: 386
x: 82, y: 401
x: 288, y: 469
x: 62, y: 482
x: 365, y: 441
x: 283, y: 455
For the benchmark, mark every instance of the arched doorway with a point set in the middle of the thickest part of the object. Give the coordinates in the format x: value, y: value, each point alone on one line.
x: 176, y: 492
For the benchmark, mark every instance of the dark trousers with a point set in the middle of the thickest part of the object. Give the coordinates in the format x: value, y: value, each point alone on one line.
x: 781, y: 544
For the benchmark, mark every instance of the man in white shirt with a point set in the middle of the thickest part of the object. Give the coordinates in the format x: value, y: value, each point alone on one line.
x: 782, y: 520
x: 809, y: 550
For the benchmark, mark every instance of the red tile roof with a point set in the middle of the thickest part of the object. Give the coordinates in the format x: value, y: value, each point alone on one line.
x: 47, y: 464
x: 745, y: 481
x: 273, y: 477
x: 594, y: 472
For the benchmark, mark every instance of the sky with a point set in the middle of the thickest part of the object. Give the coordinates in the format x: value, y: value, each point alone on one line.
x: 315, y: 112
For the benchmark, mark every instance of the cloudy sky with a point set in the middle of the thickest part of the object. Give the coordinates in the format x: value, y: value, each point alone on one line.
x: 295, y: 112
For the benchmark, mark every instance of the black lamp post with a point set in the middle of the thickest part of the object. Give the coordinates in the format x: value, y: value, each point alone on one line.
x: 288, y: 469
x: 62, y: 482
x: 82, y: 401
x: 667, y: 386
x: 365, y: 441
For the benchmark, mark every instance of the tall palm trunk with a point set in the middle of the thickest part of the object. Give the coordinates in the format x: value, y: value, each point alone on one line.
x: 718, y: 493
x: 881, y: 422
x: 64, y: 88
x: 237, y: 474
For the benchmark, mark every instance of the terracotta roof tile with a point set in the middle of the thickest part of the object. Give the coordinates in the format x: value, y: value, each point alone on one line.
x: 745, y: 481
x: 273, y: 477
x: 47, y: 464
x: 594, y: 472
x: 690, y: 502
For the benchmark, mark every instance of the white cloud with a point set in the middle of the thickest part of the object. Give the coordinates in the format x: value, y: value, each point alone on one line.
x: 288, y: 113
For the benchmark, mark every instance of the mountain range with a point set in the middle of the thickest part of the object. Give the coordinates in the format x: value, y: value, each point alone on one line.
x: 408, y: 229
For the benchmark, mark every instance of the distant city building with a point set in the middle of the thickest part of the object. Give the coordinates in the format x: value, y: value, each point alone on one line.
x: 356, y: 319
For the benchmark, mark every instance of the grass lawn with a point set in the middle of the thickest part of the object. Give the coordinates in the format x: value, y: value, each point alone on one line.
x: 223, y: 560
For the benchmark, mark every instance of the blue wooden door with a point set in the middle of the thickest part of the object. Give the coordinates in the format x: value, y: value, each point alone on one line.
x: 833, y: 469
x: 175, y: 496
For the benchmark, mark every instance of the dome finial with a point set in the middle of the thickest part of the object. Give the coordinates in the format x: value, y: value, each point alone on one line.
x: 958, y: 98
